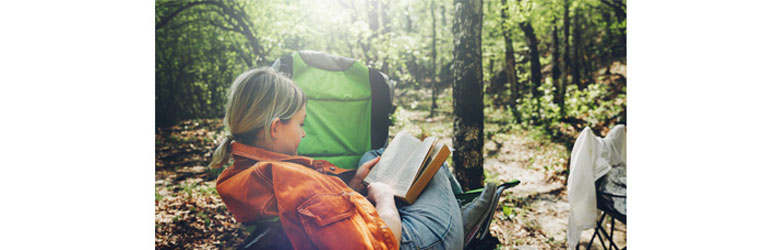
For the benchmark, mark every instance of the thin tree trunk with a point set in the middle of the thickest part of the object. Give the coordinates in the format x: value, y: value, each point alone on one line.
x: 556, y: 71
x: 373, y: 24
x: 534, y: 57
x: 510, y: 61
x: 468, y: 115
x: 385, y: 18
x: 576, y: 42
x: 534, y: 54
x: 619, y: 8
x: 433, y: 82
x: 586, y: 60
x: 386, y: 31
x: 563, y: 88
x: 409, y: 23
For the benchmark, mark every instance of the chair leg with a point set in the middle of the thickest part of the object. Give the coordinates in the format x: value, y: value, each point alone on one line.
x: 588, y: 246
x: 611, y: 243
x: 600, y: 230
x: 610, y: 239
x: 612, y: 233
x: 601, y: 227
x: 596, y: 231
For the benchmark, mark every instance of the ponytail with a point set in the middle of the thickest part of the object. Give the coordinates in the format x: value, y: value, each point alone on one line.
x: 221, y: 154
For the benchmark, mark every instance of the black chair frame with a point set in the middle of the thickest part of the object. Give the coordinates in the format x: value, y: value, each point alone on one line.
x: 600, y: 229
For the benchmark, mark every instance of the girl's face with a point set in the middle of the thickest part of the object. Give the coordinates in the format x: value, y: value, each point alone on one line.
x: 288, y: 135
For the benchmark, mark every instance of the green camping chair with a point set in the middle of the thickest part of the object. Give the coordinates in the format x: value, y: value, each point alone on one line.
x: 348, y: 110
x: 348, y: 106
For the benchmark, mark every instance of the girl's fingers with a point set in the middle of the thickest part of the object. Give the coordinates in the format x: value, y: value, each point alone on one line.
x: 373, y: 162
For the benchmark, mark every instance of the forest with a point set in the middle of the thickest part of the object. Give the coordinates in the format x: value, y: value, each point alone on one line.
x: 545, y: 69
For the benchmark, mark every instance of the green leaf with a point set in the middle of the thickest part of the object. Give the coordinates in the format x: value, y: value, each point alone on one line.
x: 507, y: 211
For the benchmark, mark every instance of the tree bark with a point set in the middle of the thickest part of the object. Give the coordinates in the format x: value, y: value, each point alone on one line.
x: 563, y: 88
x: 556, y: 71
x: 372, y: 12
x: 619, y: 8
x: 386, y: 30
x: 467, y: 85
x: 576, y: 42
x: 587, y: 60
x: 433, y: 82
x: 510, y: 61
x: 534, y: 62
x: 534, y: 57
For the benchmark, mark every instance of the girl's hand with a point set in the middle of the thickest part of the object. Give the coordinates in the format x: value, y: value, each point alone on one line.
x: 380, y: 192
x: 356, y: 183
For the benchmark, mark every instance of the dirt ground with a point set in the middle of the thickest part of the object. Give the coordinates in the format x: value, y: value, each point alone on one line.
x: 532, y: 215
x: 538, y: 206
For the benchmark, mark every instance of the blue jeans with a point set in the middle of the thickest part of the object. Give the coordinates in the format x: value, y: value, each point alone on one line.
x: 434, y: 221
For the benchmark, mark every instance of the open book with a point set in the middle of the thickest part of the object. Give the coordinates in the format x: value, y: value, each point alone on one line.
x: 408, y: 164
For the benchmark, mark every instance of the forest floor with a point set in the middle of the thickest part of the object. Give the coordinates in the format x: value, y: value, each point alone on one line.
x: 532, y: 215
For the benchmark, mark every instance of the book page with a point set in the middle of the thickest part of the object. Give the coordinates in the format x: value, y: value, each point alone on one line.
x: 400, y: 162
x: 434, y: 151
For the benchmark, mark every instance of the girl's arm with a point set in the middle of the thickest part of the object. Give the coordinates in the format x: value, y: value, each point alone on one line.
x: 383, y: 196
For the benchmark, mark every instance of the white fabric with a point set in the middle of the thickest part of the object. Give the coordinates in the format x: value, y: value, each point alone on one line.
x: 591, y: 158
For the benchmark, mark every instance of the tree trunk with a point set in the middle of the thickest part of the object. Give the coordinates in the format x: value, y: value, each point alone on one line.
x: 386, y: 30
x: 468, y: 115
x: 373, y: 16
x: 556, y: 71
x: 433, y: 82
x: 372, y: 9
x: 576, y: 42
x: 619, y: 8
x: 534, y: 62
x: 534, y: 57
x: 385, y: 17
x: 563, y: 88
x: 510, y: 61
x: 409, y: 23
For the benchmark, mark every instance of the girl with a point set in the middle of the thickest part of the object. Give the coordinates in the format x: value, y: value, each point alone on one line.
x: 264, y: 122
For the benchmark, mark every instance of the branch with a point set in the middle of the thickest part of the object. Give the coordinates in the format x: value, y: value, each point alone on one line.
x: 242, y: 55
x: 618, y: 7
x: 170, y: 16
x: 614, y: 4
x: 223, y: 27
x: 238, y: 19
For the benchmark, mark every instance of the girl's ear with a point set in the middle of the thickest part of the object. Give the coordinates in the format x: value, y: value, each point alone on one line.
x: 274, y: 128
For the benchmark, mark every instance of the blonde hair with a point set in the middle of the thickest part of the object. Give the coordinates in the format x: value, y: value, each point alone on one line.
x: 255, y: 99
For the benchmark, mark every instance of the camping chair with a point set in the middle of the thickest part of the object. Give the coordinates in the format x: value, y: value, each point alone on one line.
x: 476, y: 233
x: 611, y: 200
x: 348, y: 109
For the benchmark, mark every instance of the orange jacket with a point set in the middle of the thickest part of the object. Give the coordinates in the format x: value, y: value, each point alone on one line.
x: 317, y: 211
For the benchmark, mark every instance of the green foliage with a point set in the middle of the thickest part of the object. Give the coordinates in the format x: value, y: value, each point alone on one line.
x: 203, y: 48
x: 187, y: 188
x: 592, y: 104
x: 595, y: 104
x: 509, y: 213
